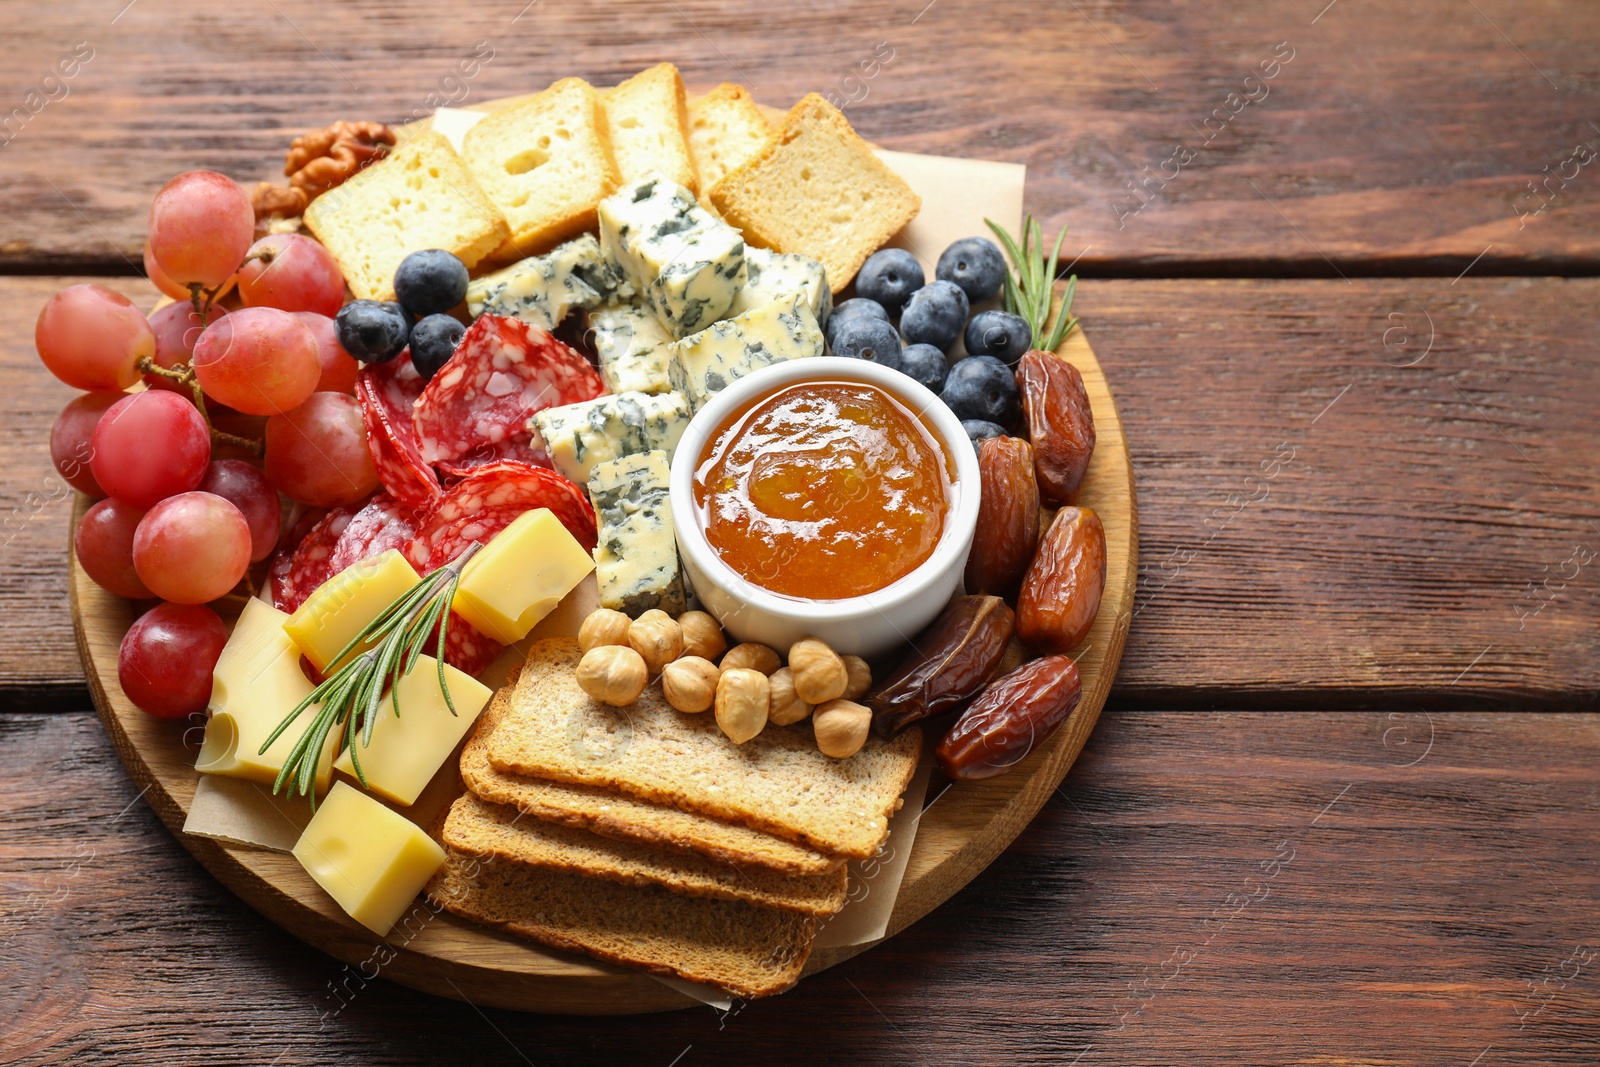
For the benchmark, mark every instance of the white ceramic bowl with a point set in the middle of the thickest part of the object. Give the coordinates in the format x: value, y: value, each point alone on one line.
x: 867, y: 625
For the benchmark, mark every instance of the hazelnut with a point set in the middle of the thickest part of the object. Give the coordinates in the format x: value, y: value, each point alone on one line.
x: 860, y: 677
x: 604, y: 626
x: 784, y: 705
x: 702, y: 636
x: 841, y: 728
x: 741, y: 703
x: 819, y: 674
x: 613, y: 674
x: 752, y: 656
x: 656, y: 637
x: 690, y: 683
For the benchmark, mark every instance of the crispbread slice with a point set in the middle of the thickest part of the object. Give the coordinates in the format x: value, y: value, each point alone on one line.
x: 647, y: 120
x: 746, y: 950
x: 726, y: 131
x: 618, y: 815
x: 777, y: 781
x: 485, y: 829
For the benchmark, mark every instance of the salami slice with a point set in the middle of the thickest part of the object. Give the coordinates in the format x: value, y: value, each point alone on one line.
x: 514, y: 451
x: 388, y: 392
x: 383, y: 523
x: 311, y: 562
x: 488, y: 500
x: 502, y: 372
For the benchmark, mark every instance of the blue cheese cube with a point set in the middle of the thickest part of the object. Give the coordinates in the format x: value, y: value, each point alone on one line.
x: 636, y: 560
x: 580, y: 436
x: 707, y: 363
x: 772, y: 275
x: 632, y: 345
x: 542, y: 290
x: 687, y: 265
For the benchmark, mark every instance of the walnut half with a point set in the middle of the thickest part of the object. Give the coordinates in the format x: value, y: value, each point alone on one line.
x: 326, y: 159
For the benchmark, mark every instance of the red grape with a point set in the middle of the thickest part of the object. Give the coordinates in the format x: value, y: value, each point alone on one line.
x: 177, y: 328
x: 167, y: 656
x: 159, y: 279
x: 258, y: 360
x: 298, y: 275
x: 148, y: 446
x: 93, y: 338
x: 339, y: 368
x: 318, y: 453
x: 201, y: 225
x: 70, y: 440
x: 192, y: 548
x: 246, y: 488
x: 104, y: 544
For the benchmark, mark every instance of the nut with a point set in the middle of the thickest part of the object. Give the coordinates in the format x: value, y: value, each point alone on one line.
x: 784, y: 706
x: 690, y: 683
x: 656, y: 637
x: 819, y: 673
x: 841, y: 727
x: 328, y: 158
x: 753, y: 656
x: 604, y: 626
x: 741, y: 703
x: 275, y: 202
x: 612, y: 674
x: 860, y: 677
x: 702, y: 636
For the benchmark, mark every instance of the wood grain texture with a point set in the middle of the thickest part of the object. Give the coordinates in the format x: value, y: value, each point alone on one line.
x: 1418, y: 915
x: 1389, y: 138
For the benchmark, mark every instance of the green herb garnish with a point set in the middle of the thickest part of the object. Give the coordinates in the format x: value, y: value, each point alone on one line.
x: 1029, y: 292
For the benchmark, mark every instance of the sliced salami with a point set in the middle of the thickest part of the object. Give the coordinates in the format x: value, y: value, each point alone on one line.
x: 388, y: 392
x: 311, y: 562
x: 383, y: 523
x: 488, y: 500
x: 502, y: 372
x: 513, y: 451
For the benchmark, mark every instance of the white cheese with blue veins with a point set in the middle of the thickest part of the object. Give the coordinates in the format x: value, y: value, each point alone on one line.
x: 636, y: 560
x: 543, y: 290
x: 771, y: 275
x: 632, y: 346
x: 711, y: 360
x: 580, y: 436
x: 686, y: 264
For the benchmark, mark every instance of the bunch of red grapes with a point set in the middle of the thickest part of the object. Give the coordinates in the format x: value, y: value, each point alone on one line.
x: 179, y: 521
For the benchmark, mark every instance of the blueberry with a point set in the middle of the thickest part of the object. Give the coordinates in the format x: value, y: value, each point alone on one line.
x: 935, y: 314
x: 851, y: 309
x: 430, y: 282
x: 976, y: 265
x: 1000, y: 334
x: 372, y: 331
x: 926, y: 364
x: 866, y: 338
x: 981, y: 387
x: 433, y: 339
x: 980, y: 430
x: 889, y: 276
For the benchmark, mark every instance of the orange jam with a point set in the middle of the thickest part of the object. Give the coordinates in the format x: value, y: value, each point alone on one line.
x: 823, y: 490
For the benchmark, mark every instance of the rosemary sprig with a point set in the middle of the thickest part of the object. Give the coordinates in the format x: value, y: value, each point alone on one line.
x: 351, y: 695
x: 1030, y: 291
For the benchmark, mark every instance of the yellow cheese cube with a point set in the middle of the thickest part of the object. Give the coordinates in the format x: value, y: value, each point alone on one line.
x: 257, y: 681
x: 520, y: 576
x: 407, y: 751
x: 372, y: 861
x: 344, y: 604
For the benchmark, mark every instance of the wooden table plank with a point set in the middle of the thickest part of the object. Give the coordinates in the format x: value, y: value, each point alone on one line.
x: 1208, y: 136
x: 1207, y: 888
x: 1316, y: 518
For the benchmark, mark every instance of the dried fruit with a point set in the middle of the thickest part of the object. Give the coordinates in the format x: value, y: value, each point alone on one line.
x: 949, y: 662
x: 1010, y: 719
x: 1008, y: 517
x: 1061, y: 592
x: 1060, y: 423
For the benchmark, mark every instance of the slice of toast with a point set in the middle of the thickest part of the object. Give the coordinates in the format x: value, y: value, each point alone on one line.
x: 647, y: 122
x: 627, y: 818
x: 726, y: 131
x: 777, y: 781
x: 817, y: 189
x: 421, y: 196
x: 545, y: 163
x: 485, y: 829
x: 745, y: 950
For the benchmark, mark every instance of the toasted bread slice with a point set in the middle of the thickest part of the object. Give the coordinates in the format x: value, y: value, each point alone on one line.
x: 545, y: 163
x: 647, y: 121
x: 420, y: 197
x: 745, y: 950
x: 777, y: 781
x: 726, y: 131
x: 817, y: 189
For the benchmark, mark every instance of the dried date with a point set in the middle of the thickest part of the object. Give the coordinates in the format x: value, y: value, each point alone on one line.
x: 1061, y: 591
x: 949, y: 662
x: 1060, y: 423
x: 1008, y: 517
x: 1010, y: 719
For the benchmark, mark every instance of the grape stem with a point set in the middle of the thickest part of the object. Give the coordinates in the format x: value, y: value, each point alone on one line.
x: 184, y: 374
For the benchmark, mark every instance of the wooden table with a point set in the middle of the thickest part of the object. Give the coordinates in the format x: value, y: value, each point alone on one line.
x: 1343, y: 806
